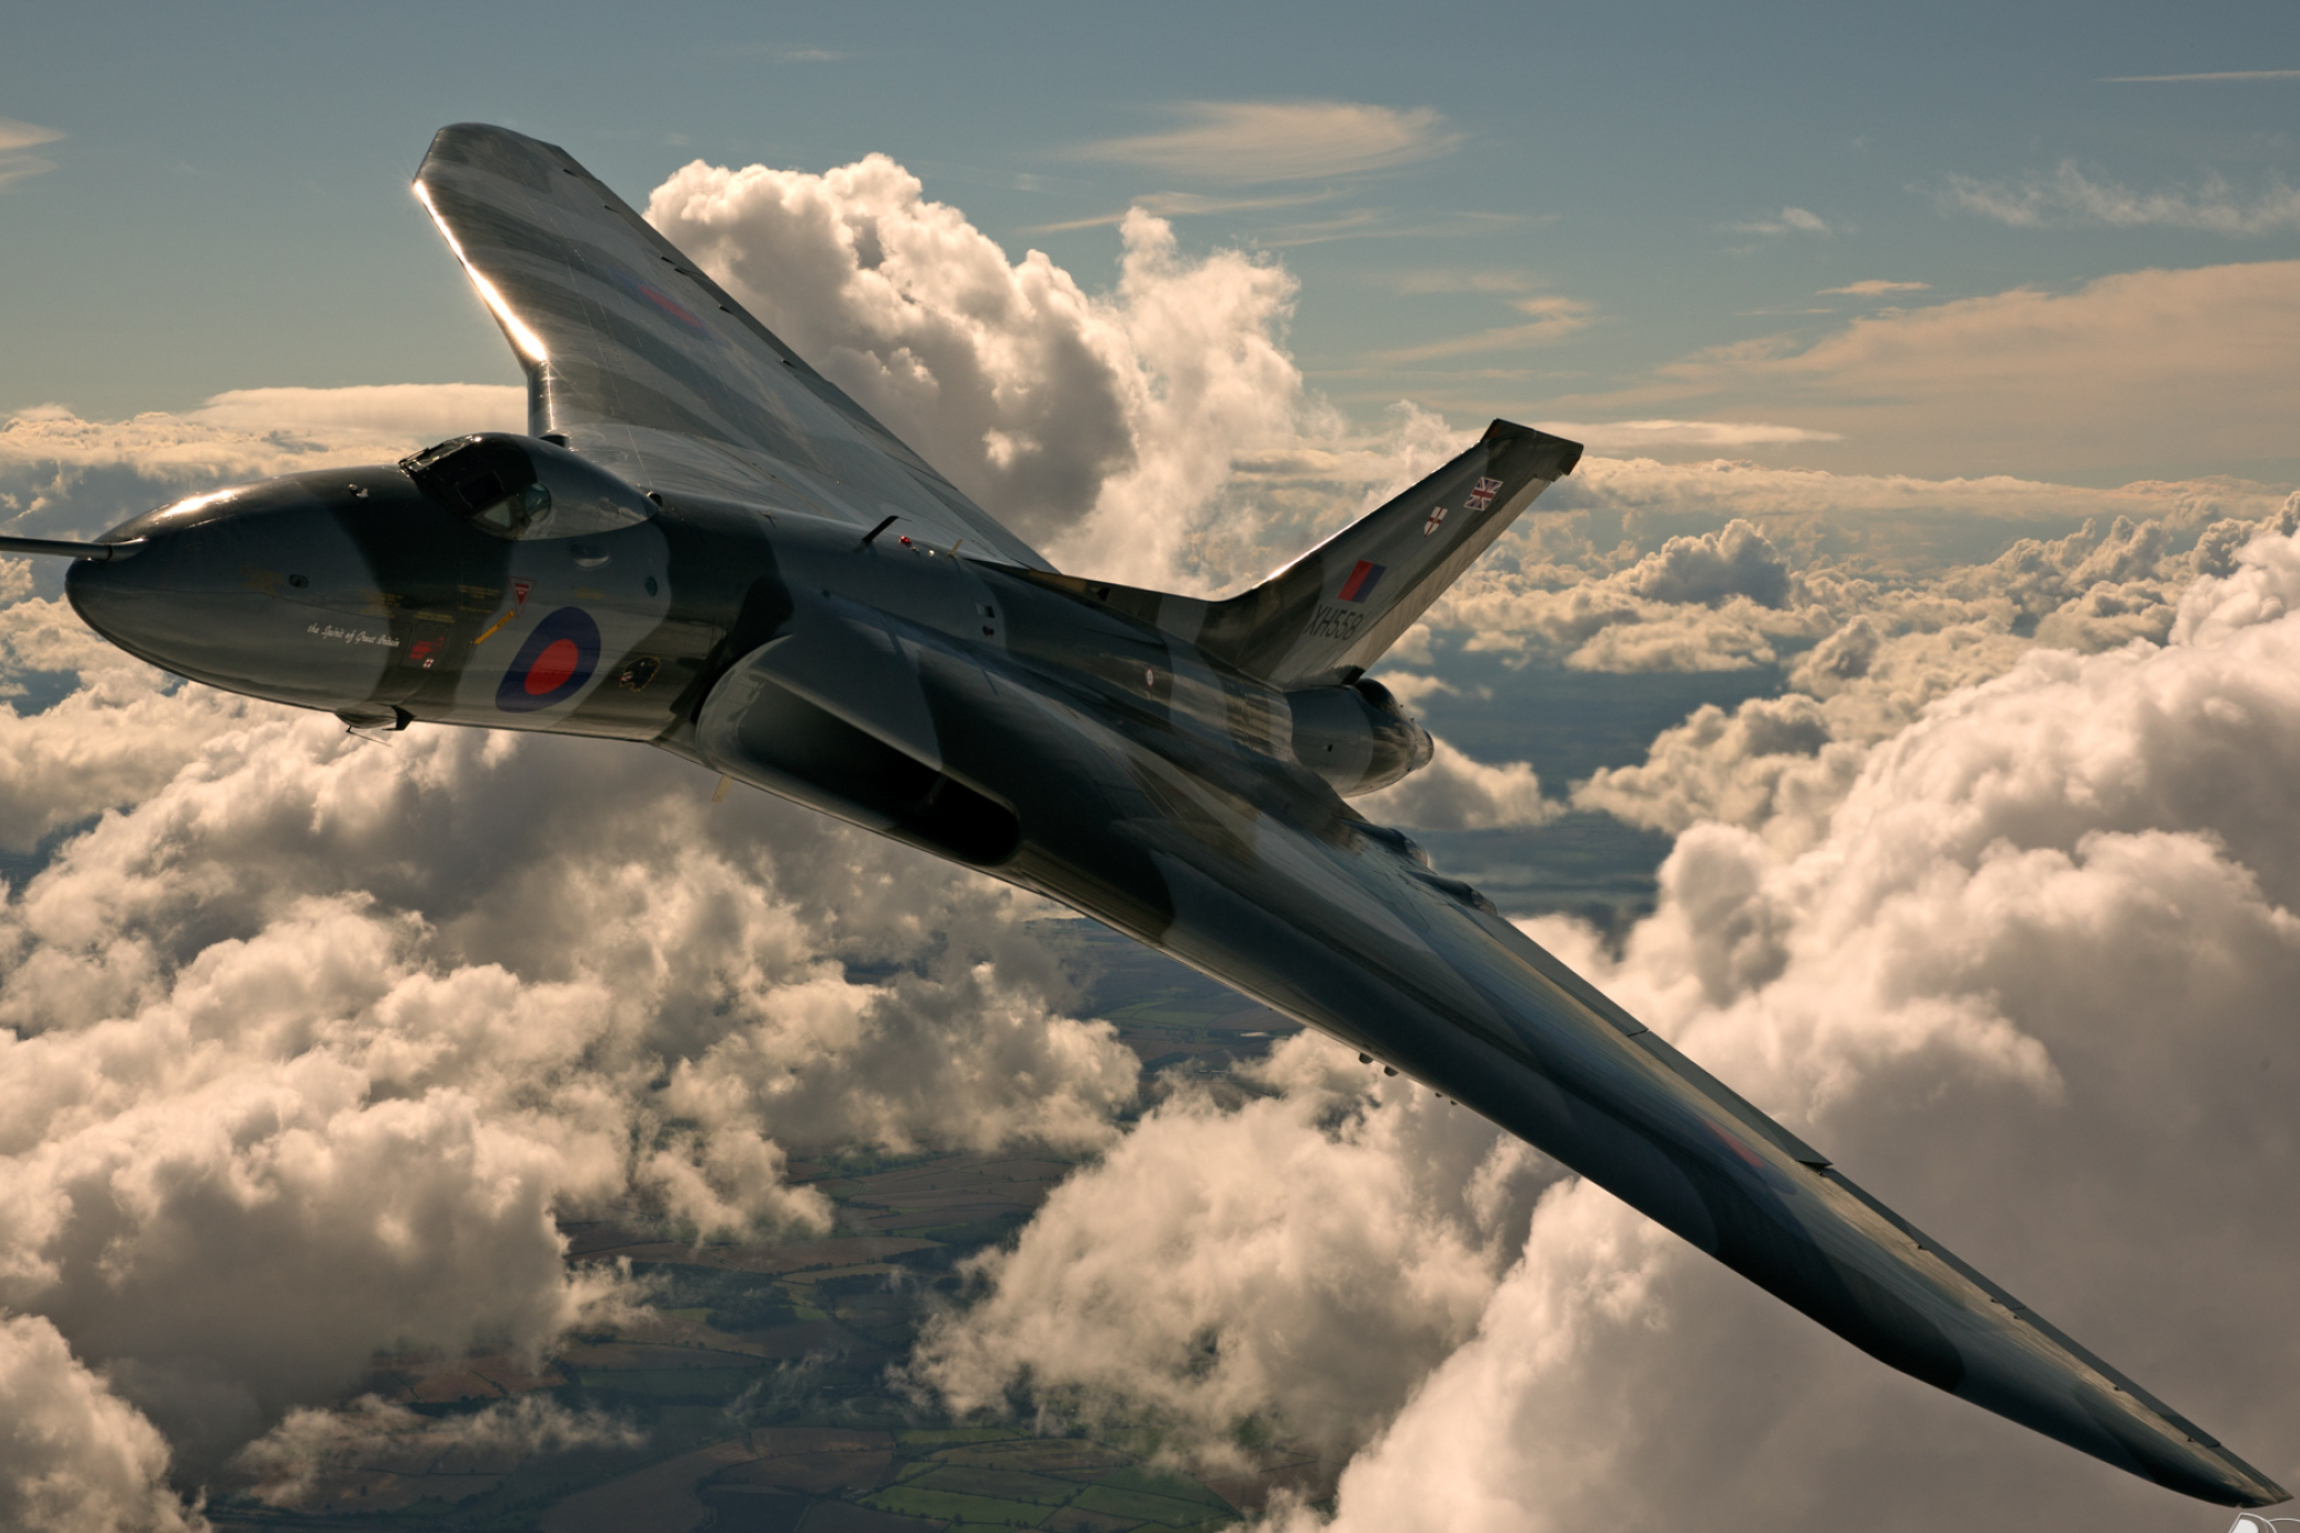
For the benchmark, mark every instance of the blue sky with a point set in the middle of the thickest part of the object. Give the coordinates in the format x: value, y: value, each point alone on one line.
x: 1535, y: 208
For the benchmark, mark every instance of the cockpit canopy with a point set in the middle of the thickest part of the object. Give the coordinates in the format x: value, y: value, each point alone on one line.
x: 524, y: 487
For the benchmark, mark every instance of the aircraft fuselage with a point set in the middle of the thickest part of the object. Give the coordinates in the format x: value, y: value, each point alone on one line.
x: 391, y: 595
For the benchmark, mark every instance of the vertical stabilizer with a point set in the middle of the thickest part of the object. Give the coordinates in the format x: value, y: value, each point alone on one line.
x: 1334, y: 611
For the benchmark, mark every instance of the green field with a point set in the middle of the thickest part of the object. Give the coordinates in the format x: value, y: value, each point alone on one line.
x: 909, y: 1501
x: 791, y: 1400
x: 673, y: 1383
x: 1146, y: 1507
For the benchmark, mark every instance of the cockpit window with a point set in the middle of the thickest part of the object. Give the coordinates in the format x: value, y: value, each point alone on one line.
x: 519, y: 487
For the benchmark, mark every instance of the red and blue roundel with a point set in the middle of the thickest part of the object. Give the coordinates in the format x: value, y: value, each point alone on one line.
x: 663, y: 304
x: 558, y: 657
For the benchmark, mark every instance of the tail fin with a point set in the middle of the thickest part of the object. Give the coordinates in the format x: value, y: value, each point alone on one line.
x: 1337, y: 609
x: 1333, y: 612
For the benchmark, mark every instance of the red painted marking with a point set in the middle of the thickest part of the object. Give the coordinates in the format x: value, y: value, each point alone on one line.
x: 663, y: 302
x: 1756, y: 1161
x: 552, y: 668
x: 1361, y: 581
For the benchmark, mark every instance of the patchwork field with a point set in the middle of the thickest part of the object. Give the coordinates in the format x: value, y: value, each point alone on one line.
x: 756, y: 1393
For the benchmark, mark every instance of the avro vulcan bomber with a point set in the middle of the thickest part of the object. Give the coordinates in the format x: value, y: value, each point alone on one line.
x: 701, y: 544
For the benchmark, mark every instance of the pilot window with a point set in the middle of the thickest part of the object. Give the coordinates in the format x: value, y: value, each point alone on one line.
x: 520, y: 487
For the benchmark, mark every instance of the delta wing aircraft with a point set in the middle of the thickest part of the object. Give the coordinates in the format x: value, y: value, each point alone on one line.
x: 704, y: 545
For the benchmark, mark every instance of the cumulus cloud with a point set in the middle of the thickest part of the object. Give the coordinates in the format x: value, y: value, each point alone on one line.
x: 1087, y: 421
x: 1768, y: 758
x: 114, y: 738
x: 1258, y: 1267
x: 1158, y: 432
x: 1736, y: 561
x: 1591, y: 578
x: 367, y: 1011
x: 74, y: 1456
x: 2070, y: 196
x: 1780, y: 766
x: 1456, y: 793
x: 1830, y: 998
x: 2048, y: 928
x: 298, y: 1069
x: 1709, y: 601
x: 308, y: 1043
x: 1259, y: 141
x: 285, y: 1467
x: 2038, y: 877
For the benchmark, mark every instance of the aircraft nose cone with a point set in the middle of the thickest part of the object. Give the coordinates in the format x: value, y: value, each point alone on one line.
x: 261, y: 592
x: 132, y: 600
x: 100, y: 592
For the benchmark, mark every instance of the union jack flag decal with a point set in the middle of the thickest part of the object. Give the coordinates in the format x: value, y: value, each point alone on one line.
x: 1483, y: 495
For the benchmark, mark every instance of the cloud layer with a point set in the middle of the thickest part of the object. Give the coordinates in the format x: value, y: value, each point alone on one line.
x: 1266, y: 141
x: 308, y: 1043
x: 2070, y: 196
x: 1997, y: 883
x: 2027, y: 981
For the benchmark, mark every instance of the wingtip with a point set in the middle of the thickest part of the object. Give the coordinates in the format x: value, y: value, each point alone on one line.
x: 2232, y: 1482
x: 2117, y: 1425
x: 1565, y: 454
x: 484, y: 142
x: 2247, y: 1488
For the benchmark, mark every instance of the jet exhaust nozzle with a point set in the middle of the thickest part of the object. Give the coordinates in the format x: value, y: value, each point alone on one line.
x: 1357, y: 737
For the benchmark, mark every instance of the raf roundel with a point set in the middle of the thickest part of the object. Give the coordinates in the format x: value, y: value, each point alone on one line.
x: 552, y: 666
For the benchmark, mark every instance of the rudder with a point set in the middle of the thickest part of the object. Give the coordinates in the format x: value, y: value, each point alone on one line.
x: 1332, y: 613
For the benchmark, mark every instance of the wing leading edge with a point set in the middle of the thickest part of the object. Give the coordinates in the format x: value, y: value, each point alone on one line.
x: 1425, y: 975
x: 647, y: 366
